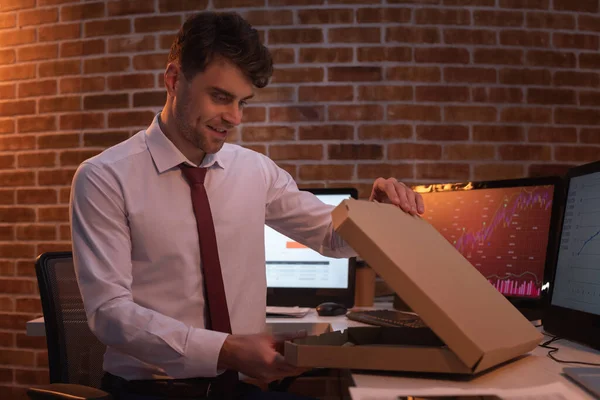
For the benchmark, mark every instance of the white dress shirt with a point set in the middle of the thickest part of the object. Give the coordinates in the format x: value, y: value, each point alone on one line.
x: 137, y: 257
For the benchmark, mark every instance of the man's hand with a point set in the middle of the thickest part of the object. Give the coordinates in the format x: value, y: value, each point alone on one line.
x: 256, y: 356
x: 391, y: 191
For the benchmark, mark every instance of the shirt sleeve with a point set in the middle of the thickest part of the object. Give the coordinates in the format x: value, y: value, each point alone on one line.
x: 102, y: 257
x: 300, y: 215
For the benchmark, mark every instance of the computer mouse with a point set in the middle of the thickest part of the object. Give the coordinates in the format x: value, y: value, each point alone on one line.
x: 330, y: 308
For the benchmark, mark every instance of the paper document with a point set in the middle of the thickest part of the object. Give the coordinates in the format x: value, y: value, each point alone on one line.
x: 297, y: 312
x: 553, y: 391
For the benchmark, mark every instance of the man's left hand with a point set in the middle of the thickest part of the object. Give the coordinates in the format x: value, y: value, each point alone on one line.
x: 391, y: 191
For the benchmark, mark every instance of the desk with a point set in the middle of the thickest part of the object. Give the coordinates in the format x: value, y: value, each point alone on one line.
x: 528, y: 371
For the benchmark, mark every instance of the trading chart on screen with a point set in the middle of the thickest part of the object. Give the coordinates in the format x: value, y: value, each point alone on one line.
x: 503, y: 232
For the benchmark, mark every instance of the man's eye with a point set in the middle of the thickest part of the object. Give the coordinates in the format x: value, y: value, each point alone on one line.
x: 243, y: 104
x: 220, y: 97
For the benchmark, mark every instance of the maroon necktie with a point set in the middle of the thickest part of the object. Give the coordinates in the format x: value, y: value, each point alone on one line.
x: 218, y: 313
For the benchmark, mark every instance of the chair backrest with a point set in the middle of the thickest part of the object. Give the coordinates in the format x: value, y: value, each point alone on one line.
x: 75, y: 355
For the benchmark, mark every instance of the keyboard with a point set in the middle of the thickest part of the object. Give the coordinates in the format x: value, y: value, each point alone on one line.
x: 389, y: 318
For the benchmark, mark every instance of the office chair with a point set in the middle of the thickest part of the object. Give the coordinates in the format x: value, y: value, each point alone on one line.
x: 75, y: 355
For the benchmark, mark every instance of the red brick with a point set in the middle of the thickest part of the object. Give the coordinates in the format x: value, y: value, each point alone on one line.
x: 7, y: 126
x: 6, y: 197
x: 8, y: 20
x: 65, y: 232
x: 551, y: 59
x: 270, y: 17
x: 130, y: 81
x: 106, y: 101
x: 546, y: 169
x: 7, y: 161
x: 8, y: 91
x: 323, y: 172
x: 17, y: 142
x: 130, y: 118
x: 365, y: 112
x: 588, y: 23
x: 36, y: 232
x: 259, y: 148
x: 296, y: 152
x: 535, y: 115
x: 354, y: 35
x: 35, y: 196
x: 105, y: 64
x: 150, y: 61
x: 551, y: 96
x: 104, y: 139
x: 470, y: 75
x: 590, y: 6
x: 469, y: 36
x: 442, y: 132
x: 414, y: 74
x: 469, y: 113
x: 513, y: 76
x: 158, y: 23
x: 33, y: 306
x: 81, y: 121
x: 7, y: 233
x: 589, y: 98
x: 20, y: 178
x: 589, y: 60
x: 10, y: 5
x: 41, y: 359
x: 533, y: 4
x: 296, y: 75
x: 19, y: 107
x: 79, y: 85
x: 254, y: 114
x: 449, y: 55
x: 575, y: 41
x: 297, y: 113
x: 64, y: 103
x: 165, y: 41
x: 37, y: 88
x: 414, y: 151
x: 378, y: 54
x: 239, y: 3
x: 325, y: 132
x: 291, y: 36
x: 167, y: 6
x: 318, y: 16
x: 82, y: 11
x: 498, y: 171
x: 355, y: 151
x: 6, y: 374
x: 7, y: 339
x: 7, y: 56
x: 295, y: 2
x: 130, y: 7
x: 55, y: 177
x: 10, y: 73
x: 36, y: 160
x: 325, y: 93
x: 497, y: 18
x: 325, y: 55
x: 498, y: 56
x: 76, y: 157
x: 413, y: 112
x: 578, y: 154
x: 275, y: 94
x: 469, y: 152
x: 412, y: 34
x: 80, y: 48
x: 36, y: 124
x: 131, y: 44
x: 541, y: 20
x: 378, y: 15
x: 525, y: 152
x: 17, y: 37
x: 54, y: 2
x: 59, y: 68
x: 589, y: 135
x: 442, y: 171
x: 577, y: 116
x: 11, y: 251
x: 46, y: 247
x: 436, y: 16
x: 107, y: 27
x: 279, y: 56
x: 552, y: 134
x: 354, y: 74
x: 267, y: 133
x: 38, y: 17
x: 385, y: 131
x: 15, y: 357
x: 573, y: 78
x: 442, y: 93
x: 54, y: 32
x: 58, y: 141
x: 385, y: 93
x: 524, y: 38
x: 150, y: 99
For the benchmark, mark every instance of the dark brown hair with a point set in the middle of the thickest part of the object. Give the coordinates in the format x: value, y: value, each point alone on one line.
x: 209, y: 34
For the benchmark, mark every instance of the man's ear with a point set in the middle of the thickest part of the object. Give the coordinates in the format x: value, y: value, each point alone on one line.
x: 172, y: 77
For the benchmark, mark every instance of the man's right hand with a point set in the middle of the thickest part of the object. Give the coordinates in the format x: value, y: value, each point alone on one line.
x: 256, y: 356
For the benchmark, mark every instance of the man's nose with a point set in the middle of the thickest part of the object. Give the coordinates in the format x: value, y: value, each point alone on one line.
x: 233, y: 115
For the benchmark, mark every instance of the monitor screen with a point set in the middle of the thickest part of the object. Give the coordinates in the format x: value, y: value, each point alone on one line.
x: 293, y: 265
x: 577, y: 279
x: 503, y: 228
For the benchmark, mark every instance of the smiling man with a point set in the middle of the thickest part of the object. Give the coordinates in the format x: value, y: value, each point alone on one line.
x: 168, y: 230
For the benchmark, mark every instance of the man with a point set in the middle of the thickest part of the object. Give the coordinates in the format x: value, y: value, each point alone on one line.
x: 137, y: 244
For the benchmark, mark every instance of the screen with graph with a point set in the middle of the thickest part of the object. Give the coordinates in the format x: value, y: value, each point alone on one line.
x: 293, y: 265
x: 503, y: 232
x: 577, y: 280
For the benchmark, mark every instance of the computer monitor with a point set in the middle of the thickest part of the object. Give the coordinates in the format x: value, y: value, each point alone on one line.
x: 299, y: 276
x: 574, y: 311
x: 505, y: 229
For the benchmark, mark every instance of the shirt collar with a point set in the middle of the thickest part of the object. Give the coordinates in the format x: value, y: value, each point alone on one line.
x: 166, y: 156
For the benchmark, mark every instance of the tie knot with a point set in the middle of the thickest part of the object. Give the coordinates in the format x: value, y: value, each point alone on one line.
x: 195, y: 176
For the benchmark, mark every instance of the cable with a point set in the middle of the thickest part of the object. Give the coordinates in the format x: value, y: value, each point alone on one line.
x: 552, y: 350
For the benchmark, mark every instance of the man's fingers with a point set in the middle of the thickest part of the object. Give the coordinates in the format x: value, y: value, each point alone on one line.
x: 420, y: 203
x: 284, y: 336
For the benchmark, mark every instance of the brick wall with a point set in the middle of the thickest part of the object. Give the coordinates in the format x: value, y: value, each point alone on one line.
x: 421, y: 90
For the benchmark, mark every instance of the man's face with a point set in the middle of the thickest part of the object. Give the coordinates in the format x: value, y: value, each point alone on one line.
x: 211, y: 105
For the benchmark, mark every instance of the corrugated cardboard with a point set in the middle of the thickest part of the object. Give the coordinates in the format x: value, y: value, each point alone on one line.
x: 478, y: 326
